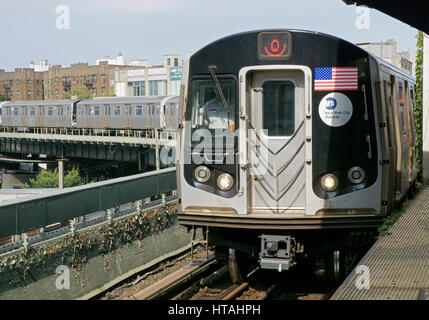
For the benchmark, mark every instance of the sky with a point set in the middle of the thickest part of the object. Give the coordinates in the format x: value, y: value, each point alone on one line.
x: 148, y: 29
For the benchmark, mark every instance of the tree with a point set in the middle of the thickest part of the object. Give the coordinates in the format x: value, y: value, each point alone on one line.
x: 82, y: 93
x: 49, y: 179
x: 2, y: 97
x: 66, y: 95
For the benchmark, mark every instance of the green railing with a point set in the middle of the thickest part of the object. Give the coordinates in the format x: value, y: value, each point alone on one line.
x: 25, y: 214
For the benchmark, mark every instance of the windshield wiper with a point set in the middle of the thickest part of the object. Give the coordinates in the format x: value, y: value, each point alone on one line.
x: 218, y: 90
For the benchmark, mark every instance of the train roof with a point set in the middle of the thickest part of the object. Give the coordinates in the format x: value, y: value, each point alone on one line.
x: 235, y: 38
x: 40, y: 102
x: 121, y: 100
x: 393, y: 68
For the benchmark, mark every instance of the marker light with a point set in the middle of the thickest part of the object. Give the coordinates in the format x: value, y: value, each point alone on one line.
x: 329, y: 182
x: 225, y: 181
x: 202, y: 173
x: 356, y: 174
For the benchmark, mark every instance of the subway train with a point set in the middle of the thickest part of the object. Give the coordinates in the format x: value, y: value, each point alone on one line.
x: 133, y: 113
x: 294, y: 147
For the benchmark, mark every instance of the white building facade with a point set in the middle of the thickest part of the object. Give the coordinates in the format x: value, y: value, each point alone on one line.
x: 150, y: 81
x: 388, y: 51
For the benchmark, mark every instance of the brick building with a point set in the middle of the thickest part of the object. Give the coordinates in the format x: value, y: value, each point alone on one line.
x: 21, y: 84
x: 99, y: 79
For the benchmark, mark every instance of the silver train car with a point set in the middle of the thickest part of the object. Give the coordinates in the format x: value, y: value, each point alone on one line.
x: 128, y: 113
x: 38, y: 114
x: 294, y: 146
x: 132, y: 113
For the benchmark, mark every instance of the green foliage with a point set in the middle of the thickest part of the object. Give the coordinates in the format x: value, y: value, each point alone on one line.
x: 66, y: 95
x: 2, y: 97
x: 81, y: 93
x: 49, y: 179
x: 72, y: 178
x: 111, y: 94
x: 390, y: 221
x: 418, y: 108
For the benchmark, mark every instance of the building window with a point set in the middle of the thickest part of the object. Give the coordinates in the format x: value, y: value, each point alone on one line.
x: 103, y: 90
x: 136, y: 88
x: 38, y: 93
x: 157, y: 87
x: 57, y: 93
x: 56, y: 80
x: 29, y: 93
x: 176, y: 62
x: 94, y: 78
x: 28, y: 83
x: 18, y: 82
x: 37, y: 81
x: 103, y: 78
x: 94, y: 91
x: 18, y: 94
x: 168, y: 61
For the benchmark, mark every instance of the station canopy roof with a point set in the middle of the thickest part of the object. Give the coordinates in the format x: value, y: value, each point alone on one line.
x: 412, y: 12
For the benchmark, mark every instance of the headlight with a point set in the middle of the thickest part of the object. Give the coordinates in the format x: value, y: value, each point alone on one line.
x: 225, y: 181
x: 329, y: 182
x: 202, y: 173
x: 356, y: 174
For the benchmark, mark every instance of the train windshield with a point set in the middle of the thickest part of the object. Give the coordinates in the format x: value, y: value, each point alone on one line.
x: 208, y: 108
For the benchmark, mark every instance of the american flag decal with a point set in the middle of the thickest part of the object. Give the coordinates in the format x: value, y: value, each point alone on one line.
x: 335, y: 78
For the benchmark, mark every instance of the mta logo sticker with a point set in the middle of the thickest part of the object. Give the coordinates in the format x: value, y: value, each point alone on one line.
x: 335, y: 109
x: 331, y: 103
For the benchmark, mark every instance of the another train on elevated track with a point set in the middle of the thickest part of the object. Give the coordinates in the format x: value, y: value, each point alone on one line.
x: 115, y: 113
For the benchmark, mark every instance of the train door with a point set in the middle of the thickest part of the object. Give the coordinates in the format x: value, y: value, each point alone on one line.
x: 276, y: 142
x: 404, y: 135
x: 393, y: 149
x: 24, y: 117
x: 106, y: 116
x: 150, y: 109
x: 127, y: 115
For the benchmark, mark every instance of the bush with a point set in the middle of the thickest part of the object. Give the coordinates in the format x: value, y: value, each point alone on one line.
x: 49, y: 179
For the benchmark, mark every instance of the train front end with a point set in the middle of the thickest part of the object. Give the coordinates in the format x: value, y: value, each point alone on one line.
x: 278, y: 151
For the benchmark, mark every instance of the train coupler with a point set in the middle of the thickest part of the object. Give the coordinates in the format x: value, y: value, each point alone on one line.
x: 275, y: 252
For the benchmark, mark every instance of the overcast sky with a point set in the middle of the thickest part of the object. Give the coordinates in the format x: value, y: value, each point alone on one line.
x: 148, y: 29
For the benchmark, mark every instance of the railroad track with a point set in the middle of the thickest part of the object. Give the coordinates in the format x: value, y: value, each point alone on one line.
x: 173, y: 283
x: 207, y: 280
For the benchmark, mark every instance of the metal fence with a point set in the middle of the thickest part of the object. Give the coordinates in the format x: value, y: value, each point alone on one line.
x: 18, y: 216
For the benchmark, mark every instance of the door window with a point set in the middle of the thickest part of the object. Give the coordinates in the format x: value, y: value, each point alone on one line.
x: 279, y: 107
